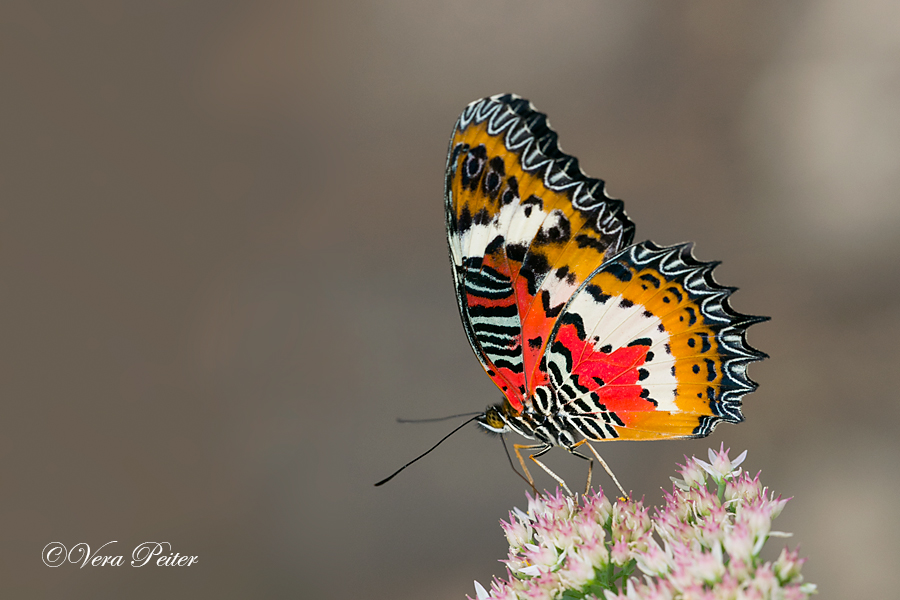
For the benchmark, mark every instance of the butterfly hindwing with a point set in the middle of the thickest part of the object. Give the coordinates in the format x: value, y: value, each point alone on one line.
x: 526, y: 227
x: 649, y: 348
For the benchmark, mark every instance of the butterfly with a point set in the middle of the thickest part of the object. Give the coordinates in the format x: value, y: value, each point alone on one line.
x: 589, y: 336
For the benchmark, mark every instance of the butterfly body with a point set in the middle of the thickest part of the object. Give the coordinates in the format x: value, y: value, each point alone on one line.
x: 587, y: 335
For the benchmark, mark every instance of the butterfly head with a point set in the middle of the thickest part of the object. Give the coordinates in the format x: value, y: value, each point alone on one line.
x: 494, y: 419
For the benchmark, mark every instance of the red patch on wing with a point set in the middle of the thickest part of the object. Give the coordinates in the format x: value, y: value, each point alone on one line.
x: 536, y: 329
x: 618, y: 371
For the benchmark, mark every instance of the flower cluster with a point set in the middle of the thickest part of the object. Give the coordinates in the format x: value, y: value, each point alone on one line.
x: 704, y: 543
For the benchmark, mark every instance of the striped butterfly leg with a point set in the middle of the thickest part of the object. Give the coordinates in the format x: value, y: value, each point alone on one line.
x: 541, y: 450
x: 603, y: 464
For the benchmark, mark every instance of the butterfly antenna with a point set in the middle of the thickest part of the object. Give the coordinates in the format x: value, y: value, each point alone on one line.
x: 386, y: 479
x: 434, y: 420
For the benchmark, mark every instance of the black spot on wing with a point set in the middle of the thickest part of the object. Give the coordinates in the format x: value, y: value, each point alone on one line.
x: 530, y: 203
x: 710, y: 369
x: 473, y: 166
x: 555, y: 231
x: 465, y: 220
x: 494, y: 177
x: 692, y: 315
x: 586, y: 241
x: 516, y: 252
x: 651, y: 279
x: 534, y: 267
x: 510, y: 192
x: 495, y: 244
x: 574, y: 320
x: 596, y: 294
x: 619, y: 271
x: 559, y: 348
x: 550, y: 311
x: 482, y: 217
x: 704, y: 338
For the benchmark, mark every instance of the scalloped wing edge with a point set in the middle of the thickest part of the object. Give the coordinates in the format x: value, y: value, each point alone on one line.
x: 527, y: 130
x: 679, y: 261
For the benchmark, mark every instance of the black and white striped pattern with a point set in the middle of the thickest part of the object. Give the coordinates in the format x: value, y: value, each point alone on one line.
x: 497, y: 327
x: 548, y: 422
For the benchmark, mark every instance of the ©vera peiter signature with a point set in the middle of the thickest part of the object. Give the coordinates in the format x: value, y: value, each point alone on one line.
x: 55, y: 554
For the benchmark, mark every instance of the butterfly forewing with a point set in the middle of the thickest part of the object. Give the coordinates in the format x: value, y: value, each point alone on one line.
x: 526, y: 228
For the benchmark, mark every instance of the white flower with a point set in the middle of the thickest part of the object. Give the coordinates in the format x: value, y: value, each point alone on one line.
x: 720, y: 467
x: 578, y: 570
x: 518, y: 529
x: 655, y: 561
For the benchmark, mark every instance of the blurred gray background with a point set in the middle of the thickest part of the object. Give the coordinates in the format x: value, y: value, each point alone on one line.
x: 223, y: 275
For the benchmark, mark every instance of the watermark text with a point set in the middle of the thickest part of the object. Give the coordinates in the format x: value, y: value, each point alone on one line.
x: 157, y: 554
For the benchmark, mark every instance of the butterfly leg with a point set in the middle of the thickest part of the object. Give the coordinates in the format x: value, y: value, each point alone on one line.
x: 518, y: 448
x: 541, y: 450
x: 605, y: 467
x: 587, y: 486
x: 513, y: 467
